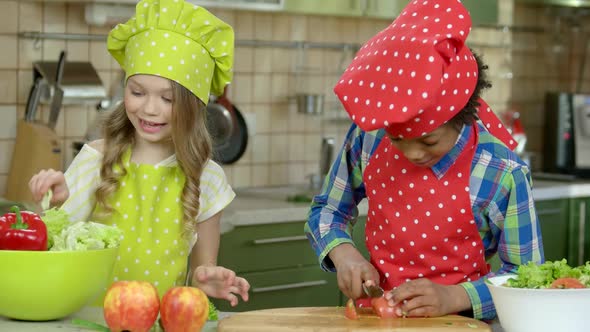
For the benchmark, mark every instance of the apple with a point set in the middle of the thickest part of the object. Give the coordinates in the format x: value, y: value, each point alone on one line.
x: 184, y: 309
x: 131, y: 306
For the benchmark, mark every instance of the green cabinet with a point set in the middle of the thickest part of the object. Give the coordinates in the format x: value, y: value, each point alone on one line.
x: 579, y: 231
x: 280, y: 265
x: 324, y: 7
x: 482, y: 11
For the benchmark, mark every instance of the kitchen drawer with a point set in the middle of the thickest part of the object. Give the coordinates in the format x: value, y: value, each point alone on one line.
x: 295, y: 287
x: 266, y: 247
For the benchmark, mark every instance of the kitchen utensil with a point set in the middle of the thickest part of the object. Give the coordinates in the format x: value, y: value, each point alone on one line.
x: 328, y: 319
x: 33, y: 100
x: 47, y: 285
x: 310, y: 103
x: 58, y: 92
x: 219, y: 123
x: 373, y: 290
x: 36, y: 147
x: 233, y: 147
x: 540, y: 310
x: 327, y: 149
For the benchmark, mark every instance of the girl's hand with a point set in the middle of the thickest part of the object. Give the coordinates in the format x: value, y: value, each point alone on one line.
x: 222, y: 283
x: 424, y: 298
x: 352, y: 270
x: 48, y: 179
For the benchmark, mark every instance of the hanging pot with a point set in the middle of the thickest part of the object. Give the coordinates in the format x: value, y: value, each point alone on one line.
x: 228, y: 129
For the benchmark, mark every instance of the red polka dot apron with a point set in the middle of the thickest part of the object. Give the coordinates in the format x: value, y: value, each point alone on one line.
x: 419, y: 226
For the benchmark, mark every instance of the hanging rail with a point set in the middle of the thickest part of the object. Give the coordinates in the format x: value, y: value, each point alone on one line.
x: 244, y: 43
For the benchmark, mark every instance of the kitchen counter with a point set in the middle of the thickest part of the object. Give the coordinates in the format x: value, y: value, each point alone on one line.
x: 94, y: 314
x: 254, y: 206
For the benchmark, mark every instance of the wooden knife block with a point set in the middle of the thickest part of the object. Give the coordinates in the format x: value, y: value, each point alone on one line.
x: 37, y: 147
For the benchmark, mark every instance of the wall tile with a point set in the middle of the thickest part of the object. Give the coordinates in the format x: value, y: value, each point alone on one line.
x: 263, y: 123
x: 6, y: 150
x: 8, y: 86
x: 244, y: 60
x: 260, y: 148
x: 78, y: 50
x: 279, y: 148
x: 279, y: 174
x: 262, y: 23
x: 279, y: 116
x: 100, y: 58
x: 28, y: 52
x: 76, y: 120
x: 279, y: 90
x: 53, y: 48
x: 242, y: 88
x: 8, y: 56
x: 262, y: 88
x: 30, y: 16
x: 8, y: 123
x: 244, y: 28
x: 296, y: 148
x: 260, y: 175
x: 242, y: 176
x: 280, y: 27
x: 298, y: 28
x: 9, y: 22
x: 53, y: 17
x: 263, y: 60
x: 75, y: 19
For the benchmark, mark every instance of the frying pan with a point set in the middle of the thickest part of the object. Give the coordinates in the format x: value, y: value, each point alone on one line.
x: 229, y: 150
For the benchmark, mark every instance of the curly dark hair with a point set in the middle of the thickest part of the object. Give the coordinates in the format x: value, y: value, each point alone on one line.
x: 469, y: 113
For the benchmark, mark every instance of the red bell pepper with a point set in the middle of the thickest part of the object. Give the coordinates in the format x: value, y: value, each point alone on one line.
x: 22, y: 231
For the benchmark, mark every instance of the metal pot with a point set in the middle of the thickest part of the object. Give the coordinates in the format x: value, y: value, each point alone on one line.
x: 310, y: 103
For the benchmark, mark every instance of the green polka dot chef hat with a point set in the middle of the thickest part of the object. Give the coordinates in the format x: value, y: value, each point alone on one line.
x: 176, y: 40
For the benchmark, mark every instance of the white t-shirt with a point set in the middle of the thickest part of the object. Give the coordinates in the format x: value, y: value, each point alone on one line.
x: 83, y: 177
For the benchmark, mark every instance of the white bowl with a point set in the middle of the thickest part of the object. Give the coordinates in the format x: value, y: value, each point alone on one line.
x: 540, y: 310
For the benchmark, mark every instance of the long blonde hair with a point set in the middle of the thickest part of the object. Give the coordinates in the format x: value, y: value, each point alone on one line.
x: 192, y: 146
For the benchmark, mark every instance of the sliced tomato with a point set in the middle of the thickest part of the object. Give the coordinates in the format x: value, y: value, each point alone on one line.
x: 563, y: 283
x: 350, y: 310
x: 382, y: 308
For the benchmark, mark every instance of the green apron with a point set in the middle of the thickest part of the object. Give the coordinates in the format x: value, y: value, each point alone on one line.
x: 147, y: 208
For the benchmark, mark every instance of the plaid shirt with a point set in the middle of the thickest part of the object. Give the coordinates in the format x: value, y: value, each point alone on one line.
x: 501, y: 198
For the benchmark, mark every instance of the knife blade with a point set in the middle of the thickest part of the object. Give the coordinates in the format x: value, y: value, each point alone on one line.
x: 58, y: 92
x: 373, y: 290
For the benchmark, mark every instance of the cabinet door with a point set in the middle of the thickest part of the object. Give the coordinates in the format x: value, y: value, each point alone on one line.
x: 266, y: 247
x: 307, y: 286
x: 553, y: 218
x: 324, y: 7
x: 579, y: 231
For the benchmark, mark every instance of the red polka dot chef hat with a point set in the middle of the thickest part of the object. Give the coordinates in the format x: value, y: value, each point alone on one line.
x: 416, y: 74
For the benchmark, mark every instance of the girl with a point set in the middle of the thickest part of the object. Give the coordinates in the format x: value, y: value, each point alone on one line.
x: 445, y: 192
x: 152, y: 175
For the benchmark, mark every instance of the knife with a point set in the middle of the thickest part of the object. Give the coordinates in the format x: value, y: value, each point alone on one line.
x: 373, y: 290
x: 58, y: 92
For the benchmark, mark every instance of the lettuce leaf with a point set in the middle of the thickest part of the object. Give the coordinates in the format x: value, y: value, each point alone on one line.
x: 87, y: 235
x: 539, y: 276
x: 56, y: 221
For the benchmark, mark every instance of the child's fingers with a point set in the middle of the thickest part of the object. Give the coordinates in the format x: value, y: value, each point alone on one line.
x: 233, y: 300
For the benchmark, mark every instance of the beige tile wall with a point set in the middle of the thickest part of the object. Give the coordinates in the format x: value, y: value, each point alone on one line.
x: 284, y: 145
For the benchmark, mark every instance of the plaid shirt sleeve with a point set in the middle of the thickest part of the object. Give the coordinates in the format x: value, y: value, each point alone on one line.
x: 334, y: 211
x: 513, y: 224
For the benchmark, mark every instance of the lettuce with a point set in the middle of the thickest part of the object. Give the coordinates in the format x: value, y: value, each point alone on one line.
x: 533, y: 275
x: 56, y: 221
x: 87, y: 235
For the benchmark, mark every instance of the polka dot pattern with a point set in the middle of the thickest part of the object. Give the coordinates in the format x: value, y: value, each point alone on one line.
x: 410, y: 237
x: 177, y: 40
x: 420, y: 70
x: 150, y: 247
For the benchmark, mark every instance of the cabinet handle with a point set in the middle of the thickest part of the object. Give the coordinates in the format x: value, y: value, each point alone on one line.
x: 289, y: 286
x: 549, y: 211
x: 582, y: 234
x: 281, y: 239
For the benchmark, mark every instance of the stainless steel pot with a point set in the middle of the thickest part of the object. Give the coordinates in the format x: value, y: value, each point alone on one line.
x: 310, y: 103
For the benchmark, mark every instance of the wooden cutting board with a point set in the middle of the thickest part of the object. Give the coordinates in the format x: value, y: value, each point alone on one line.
x: 331, y: 319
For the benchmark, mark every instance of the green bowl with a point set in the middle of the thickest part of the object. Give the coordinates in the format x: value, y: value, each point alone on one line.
x: 48, y: 285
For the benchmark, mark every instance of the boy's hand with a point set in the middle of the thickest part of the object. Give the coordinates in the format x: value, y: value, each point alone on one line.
x: 222, y: 283
x: 352, y: 270
x: 424, y: 298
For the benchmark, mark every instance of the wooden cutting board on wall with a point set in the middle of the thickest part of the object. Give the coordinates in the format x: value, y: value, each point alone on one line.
x: 331, y: 319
